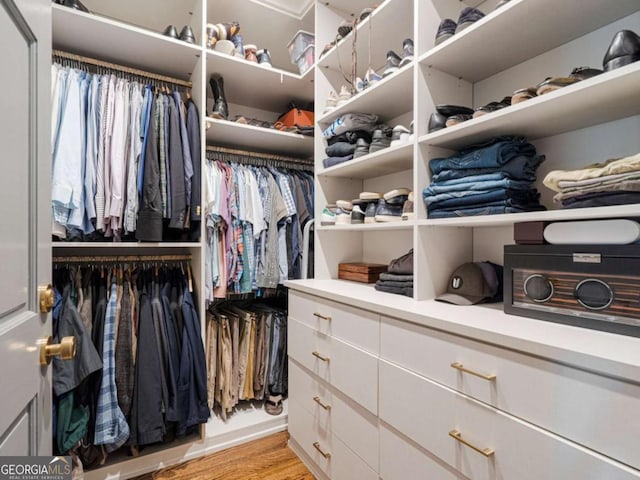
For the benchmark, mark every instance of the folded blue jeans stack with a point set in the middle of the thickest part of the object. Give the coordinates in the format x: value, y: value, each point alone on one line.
x: 492, y: 178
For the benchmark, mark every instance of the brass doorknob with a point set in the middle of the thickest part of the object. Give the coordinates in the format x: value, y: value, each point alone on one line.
x: 66, y: 349
x: 47, y: 298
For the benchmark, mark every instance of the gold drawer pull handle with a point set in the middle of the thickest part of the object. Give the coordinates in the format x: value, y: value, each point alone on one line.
x: 316, y: 445
x: 323, y: 317
x: 318, y: 400
x: 459, y: 366
x: 320, y: 357
x: 487, y: 452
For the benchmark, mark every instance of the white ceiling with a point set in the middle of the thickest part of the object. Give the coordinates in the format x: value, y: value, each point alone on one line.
x: 295, y: 8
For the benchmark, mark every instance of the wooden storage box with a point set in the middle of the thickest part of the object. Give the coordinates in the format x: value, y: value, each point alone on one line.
x: 361, y: 272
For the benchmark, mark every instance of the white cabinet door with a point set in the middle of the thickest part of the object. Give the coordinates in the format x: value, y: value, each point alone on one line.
x: 25, y: 249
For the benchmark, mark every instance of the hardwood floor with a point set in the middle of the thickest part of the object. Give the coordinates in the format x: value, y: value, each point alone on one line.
x: 266, y: 459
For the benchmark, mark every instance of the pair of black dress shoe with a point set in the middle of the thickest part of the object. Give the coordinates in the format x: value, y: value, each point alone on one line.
x: 624, y: 49
x: 186, y: 34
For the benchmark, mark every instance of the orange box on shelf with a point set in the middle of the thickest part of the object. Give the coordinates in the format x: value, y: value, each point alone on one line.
x: 297, y: 116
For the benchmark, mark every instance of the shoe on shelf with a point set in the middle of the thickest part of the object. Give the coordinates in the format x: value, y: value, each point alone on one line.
x: 332, y: 102
x: 523, y: 94
x: 220, y: 107
x: 171, y: 32
x: 343, y: 217
x: 437, y: 121
x: 345, y: 28
x: 370, y: 212
x: 457, y: 119
x: 386, y: 212
x: 344, y: 96
x: 397, y: 196
x: 623, y: 50
x: 407, y: 52
x: 399, y: 136
x: 328, y: 215
x: 365, y: 13
x: 371, y: 77
x: 360, y: 85
x: 446, y: 30
x: 407, y: 208
x: 370, y: 196
x: 362, y: 148
x: 451, y: 110
x: 492, y: 107
x: 358, y: 214
x: 411, y: 132
x: 585, y: 73
x: 379, y: 141
x: 501, y: 3
x: 345, y: 205
x: 75, y: 4
x: 186, y: 35
x: 264, y: 58
x: 393, y: 63
x: 555, y: 83
x: 250, y: 53
x: 468, y: 16
x: 238, y: 42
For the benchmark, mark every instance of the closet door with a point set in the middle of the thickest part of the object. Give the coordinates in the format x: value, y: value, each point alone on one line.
x: 25, y: 248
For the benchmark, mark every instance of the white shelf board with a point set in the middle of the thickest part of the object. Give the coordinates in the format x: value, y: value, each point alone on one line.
x: 383, y: 162
x: 65, y: 245
x: 389, y: 98
x: 614, y: 211
x: 367, y: 227
x: 390, y: 25
x: 247, y: 83
x: 113, y: 41
x: 257, y: 139
x: 604, y: 98
x: 480, y: 50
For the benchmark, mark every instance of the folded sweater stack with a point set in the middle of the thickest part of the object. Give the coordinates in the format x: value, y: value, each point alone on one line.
x: 399, y: 276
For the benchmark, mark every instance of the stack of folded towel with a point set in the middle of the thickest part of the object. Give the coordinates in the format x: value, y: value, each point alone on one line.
x: 492, y: 178
x: 399, y: 276
x: 343, y: 133
x: 614, y: 182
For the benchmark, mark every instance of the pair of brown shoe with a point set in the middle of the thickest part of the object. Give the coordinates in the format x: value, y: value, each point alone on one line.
x: 551, y: 84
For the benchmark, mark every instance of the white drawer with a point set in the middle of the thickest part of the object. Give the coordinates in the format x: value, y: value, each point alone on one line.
x: 401, y: 459
x: 352, y: 371
x: 562, y: 399
x: 327, y: 451
x: 358, y: 327
x: 334, y: 411
x: 427, y: 412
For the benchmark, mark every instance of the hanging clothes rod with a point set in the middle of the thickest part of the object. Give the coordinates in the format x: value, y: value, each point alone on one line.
x: 123, y: 258
x: 120, y: 68
x: 262, y: 156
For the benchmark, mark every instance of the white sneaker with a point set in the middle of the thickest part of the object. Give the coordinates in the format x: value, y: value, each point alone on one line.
x: 400, y: 135
x: 345, y: 95
x: 343, y: 217
x: 370, y: 196
x: 345, y: 205
x: 332, y: 102
x: 327, y: 217
x: 398, y: 192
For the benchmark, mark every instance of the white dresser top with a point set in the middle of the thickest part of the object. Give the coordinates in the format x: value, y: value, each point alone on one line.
x: 605, y: 353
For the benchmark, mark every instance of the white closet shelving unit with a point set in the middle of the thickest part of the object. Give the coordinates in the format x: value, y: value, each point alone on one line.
x: 512, y: 47
x: 130, y: 34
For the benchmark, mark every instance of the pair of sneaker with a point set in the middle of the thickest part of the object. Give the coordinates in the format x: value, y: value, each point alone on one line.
x: 448, y: 28
x: 384, y: 137
x: 395, y: 61
x: 373, y: 207
x: 335, y: 100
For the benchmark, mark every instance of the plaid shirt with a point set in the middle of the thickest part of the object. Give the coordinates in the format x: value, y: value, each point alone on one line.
x: 112, y: 429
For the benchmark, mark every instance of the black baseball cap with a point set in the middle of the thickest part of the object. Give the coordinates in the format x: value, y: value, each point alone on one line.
x: 473, y: 283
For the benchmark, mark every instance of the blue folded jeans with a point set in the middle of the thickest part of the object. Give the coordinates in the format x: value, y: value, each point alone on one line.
x: 492, y: 156
x: 473, y: 198
x: 478, y: 211
x: 519, y: 168
x: 481, y: 185
x: 331, y: 161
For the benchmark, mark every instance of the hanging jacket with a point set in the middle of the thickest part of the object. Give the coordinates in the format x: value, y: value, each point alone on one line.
x: 192, y: 384
x: 68, y: 374
x: 176, y: 162
x: 193, y: 132
x: 149, y: 227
